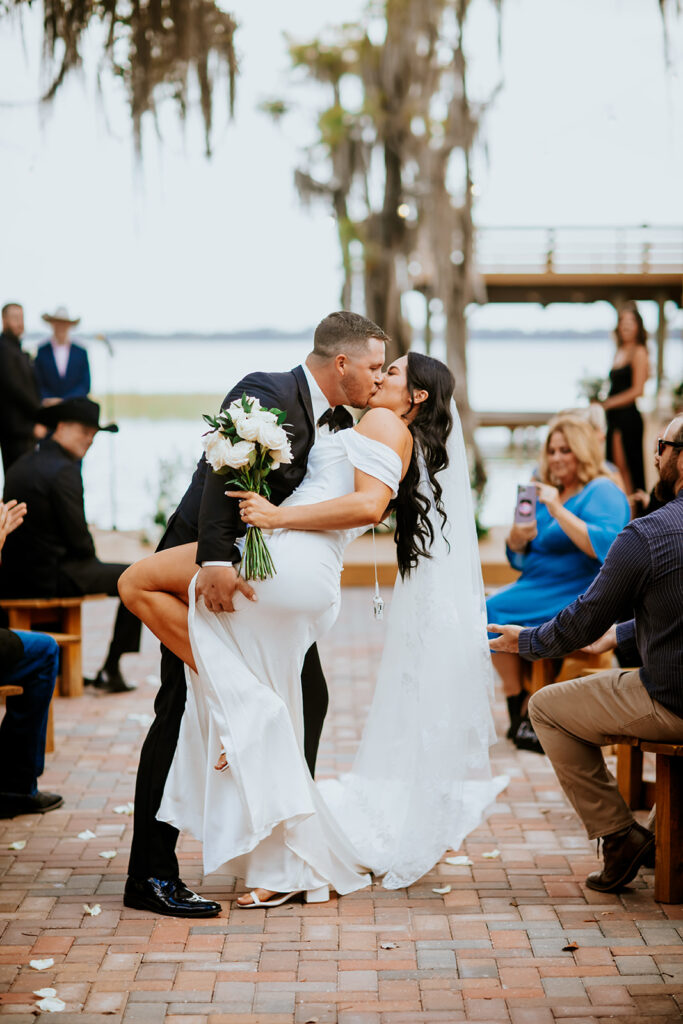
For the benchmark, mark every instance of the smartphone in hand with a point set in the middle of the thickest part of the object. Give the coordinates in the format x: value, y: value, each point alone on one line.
x: 525, y: 509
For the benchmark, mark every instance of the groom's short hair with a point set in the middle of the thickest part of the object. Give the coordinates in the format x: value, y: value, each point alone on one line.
x: 344, y: 332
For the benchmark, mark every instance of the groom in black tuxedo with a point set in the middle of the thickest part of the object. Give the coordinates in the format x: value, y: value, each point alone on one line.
x: 344, y: 368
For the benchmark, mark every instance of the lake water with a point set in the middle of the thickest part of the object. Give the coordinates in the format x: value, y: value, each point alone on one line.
x: 124, y: 472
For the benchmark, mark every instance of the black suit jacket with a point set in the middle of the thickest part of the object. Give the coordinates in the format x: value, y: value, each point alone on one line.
x: 11, y: 651
x: 54, y: 531
x: 19, y: 403
x: 204, y: 513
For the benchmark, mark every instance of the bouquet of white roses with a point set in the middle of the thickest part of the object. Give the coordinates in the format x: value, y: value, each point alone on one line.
x: 249, y: 442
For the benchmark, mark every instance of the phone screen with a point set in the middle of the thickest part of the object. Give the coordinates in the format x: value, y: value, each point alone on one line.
x: 525, y: 509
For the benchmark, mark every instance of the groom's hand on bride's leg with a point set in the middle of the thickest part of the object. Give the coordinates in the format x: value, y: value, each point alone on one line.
x: 218, y: 584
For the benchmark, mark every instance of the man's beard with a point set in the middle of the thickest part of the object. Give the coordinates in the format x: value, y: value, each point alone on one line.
x: 664, y: 488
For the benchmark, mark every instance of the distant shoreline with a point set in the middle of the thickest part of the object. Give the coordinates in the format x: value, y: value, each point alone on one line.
x: 269, y: 334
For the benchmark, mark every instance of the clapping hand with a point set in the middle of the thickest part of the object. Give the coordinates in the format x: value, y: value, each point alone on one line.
x: 11, y: 516
x: 255, y: 510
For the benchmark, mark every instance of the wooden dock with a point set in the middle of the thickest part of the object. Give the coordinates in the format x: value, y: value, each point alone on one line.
x: 584, y: 264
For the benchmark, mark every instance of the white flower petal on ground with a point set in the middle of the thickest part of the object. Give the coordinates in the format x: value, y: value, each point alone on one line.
x: 19, y: 844
x: 125, y: 808
x: 442, y: 892
x: 108, y: 854
x: 42, y: 965
x: 87, y: 834
x: 388, y: 945
x: 45, y: 992
x: 459, y: 862
x: 491, y: 854
x: 51, y: 1005
x: 93, y: 910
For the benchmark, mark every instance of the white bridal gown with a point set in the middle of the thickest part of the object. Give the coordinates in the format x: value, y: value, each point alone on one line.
x: 264, y: 819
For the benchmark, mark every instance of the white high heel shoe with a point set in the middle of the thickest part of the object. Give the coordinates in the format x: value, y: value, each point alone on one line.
x: 320, y: 895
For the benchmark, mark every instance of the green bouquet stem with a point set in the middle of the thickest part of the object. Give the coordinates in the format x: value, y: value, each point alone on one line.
x: 256, y: 562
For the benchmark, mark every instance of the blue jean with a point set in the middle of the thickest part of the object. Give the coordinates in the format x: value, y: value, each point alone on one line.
x: 24, y: 727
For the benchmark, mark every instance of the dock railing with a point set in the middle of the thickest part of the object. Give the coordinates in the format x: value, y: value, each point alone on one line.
x: 585, y: 250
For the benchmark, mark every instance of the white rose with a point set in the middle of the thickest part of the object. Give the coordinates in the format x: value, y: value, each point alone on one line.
x: 248, y: 427
x: 271, y: 436
x: 240, y: 454
x: 238, y: 416
x: 220, y: 452
x: 279, y: 455
x: 216, y: 447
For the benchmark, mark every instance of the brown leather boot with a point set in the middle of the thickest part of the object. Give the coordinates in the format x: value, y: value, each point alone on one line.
x: 623, y: 854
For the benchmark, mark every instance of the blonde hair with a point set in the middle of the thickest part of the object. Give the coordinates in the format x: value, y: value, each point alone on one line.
x: 584, y: 443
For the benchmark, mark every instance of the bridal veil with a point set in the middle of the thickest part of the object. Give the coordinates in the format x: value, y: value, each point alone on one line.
x: 421, y: 780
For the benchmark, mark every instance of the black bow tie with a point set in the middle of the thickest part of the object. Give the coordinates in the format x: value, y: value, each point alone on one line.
x: 338, y: 418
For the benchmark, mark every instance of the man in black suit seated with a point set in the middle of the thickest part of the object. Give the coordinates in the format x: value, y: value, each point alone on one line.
x: 29, y: 660
x: 53, y: 553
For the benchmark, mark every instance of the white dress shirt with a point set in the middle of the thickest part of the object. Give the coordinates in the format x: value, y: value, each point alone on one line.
x: 61, y: 354
x: 318, y: 400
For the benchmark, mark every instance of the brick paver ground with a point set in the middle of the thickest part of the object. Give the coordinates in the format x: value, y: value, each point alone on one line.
x: 517, y: 938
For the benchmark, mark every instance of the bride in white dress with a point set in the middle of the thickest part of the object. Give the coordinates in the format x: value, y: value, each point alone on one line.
x: 421, y: 780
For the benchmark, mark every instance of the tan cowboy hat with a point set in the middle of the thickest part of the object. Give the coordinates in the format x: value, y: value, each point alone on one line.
x: 61, y: 314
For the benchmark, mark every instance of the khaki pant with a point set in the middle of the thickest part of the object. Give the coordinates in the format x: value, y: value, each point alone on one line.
x: 573, y: 720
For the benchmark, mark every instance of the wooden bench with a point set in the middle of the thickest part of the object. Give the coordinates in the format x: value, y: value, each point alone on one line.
x: 64, y: 614
x: 667, y: 796
x: 538, y: 674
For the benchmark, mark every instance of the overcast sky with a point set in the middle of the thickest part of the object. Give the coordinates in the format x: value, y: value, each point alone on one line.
x: 586, y: 130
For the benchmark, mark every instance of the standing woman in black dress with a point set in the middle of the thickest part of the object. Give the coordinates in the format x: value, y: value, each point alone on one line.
x: 628, y: 375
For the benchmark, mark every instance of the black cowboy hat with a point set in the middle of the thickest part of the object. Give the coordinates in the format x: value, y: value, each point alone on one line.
x: 74, y: 410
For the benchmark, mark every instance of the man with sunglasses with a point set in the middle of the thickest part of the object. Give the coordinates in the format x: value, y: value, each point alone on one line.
x: 573, y: 720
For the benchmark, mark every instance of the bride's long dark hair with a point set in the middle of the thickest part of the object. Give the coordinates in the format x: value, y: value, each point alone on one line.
x: 430, y: 429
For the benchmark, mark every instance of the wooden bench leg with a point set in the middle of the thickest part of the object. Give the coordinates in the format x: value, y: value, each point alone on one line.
x: 669, y: 855
x: 20, y: 618
x: 71, y: 680
x: 50, y: 736
x: 630, y: 774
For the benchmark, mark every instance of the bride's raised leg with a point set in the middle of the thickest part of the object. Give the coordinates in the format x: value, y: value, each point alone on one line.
x: 155, y: 589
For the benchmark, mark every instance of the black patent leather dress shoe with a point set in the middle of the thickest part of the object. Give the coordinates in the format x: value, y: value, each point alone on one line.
x: 170, y: 897
x: 39, y: 803
x: 107, y: 681
x: 623, y: 853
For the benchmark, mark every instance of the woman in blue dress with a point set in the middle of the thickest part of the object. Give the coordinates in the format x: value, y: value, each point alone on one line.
x: 580, y: 510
